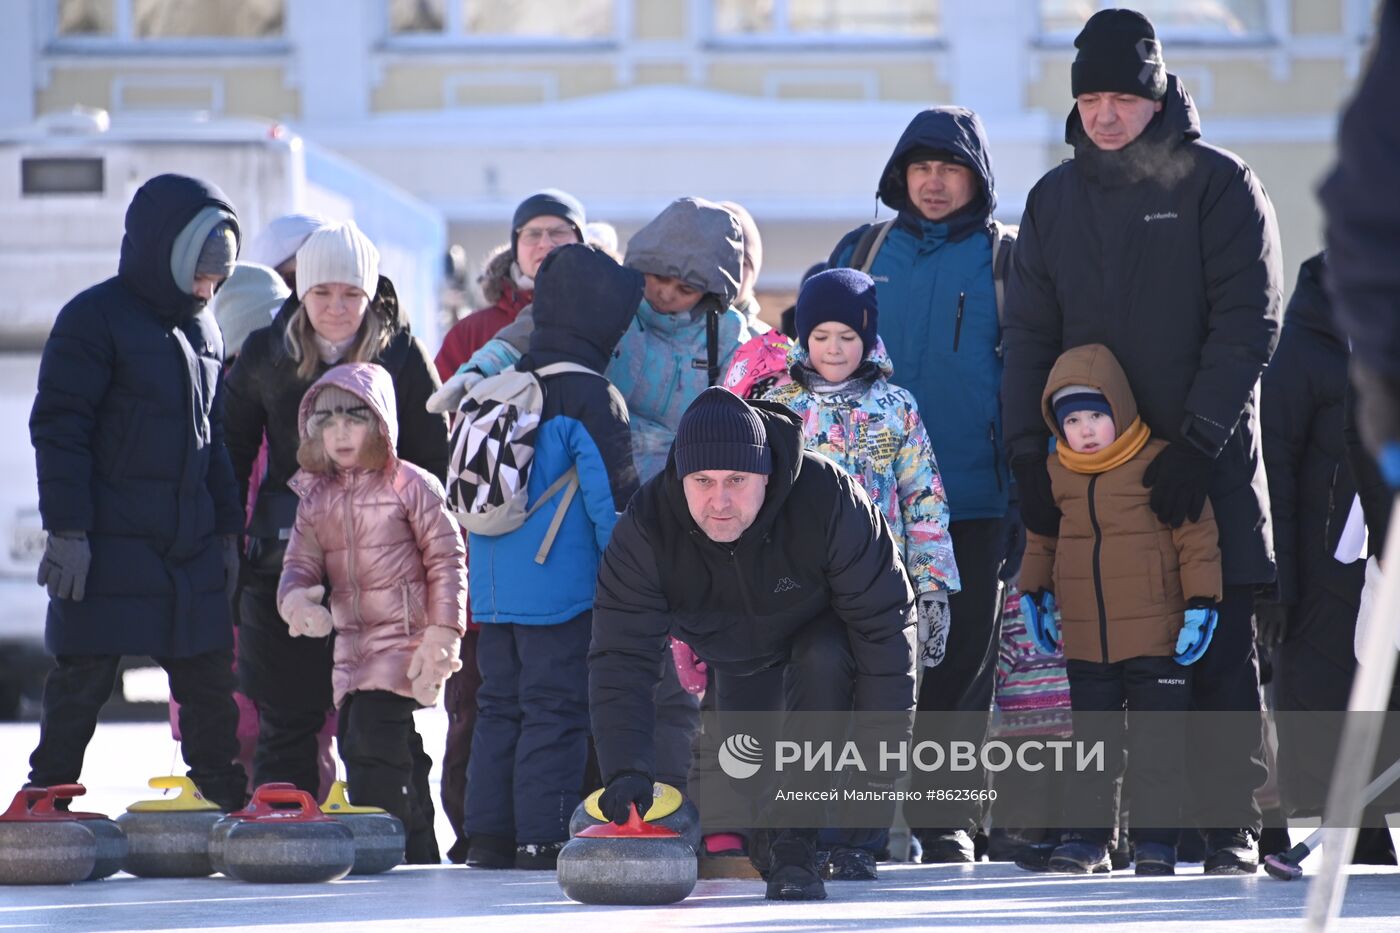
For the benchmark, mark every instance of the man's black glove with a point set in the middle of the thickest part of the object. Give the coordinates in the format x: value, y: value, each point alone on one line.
x: 1179, y: 478
x: 230, y: 554
x: 64, y: 566
x: 1038, y: 510
x: 626, y: 788
x: 1272, y: 620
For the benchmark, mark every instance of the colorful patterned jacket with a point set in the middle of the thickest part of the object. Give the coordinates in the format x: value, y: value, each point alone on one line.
x: 872, y: 430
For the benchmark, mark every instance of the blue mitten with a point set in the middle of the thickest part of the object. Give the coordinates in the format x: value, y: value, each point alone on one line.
x: 1196, y: 631
x: 1042, y: 618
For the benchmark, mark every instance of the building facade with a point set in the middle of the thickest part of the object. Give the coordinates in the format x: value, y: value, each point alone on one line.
x: 788, y: 106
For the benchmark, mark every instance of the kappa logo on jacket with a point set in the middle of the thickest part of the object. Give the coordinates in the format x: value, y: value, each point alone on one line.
x: 786, y: 584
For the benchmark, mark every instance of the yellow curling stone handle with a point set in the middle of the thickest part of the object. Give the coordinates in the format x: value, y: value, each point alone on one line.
x: 189, y: 799
x: 665, y: 800
x: 337, y: 802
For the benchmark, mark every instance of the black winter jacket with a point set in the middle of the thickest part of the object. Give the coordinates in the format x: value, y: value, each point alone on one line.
x: 128, y: 428
x: 1303, y: 411
x: 817, y: 546
x: 1167, y: 252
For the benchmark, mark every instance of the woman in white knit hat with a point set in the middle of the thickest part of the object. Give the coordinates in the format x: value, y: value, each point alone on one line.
x: 344, y: 312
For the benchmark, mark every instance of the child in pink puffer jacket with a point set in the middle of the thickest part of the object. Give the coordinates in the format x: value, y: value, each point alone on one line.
x: 378, y: 529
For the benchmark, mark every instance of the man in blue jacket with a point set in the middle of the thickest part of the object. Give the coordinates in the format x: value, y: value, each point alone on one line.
x: 938, y: 317
x: 136, y: 490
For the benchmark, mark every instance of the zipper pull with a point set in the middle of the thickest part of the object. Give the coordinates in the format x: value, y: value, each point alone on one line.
x: 957, y: 323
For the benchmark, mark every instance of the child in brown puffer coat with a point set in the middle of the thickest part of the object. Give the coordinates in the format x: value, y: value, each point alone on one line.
x: 1135, y: 599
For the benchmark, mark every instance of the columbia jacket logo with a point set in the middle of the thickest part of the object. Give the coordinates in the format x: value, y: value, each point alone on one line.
x: 785, y: 584
x: 1160, y: 215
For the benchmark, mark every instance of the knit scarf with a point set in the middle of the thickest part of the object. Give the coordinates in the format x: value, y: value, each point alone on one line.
x: 1123, y: 449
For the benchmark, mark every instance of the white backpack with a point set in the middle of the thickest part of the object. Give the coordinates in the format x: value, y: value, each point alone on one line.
x: 492, y: 446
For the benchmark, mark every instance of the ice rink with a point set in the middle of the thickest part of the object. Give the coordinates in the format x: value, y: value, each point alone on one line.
x: 907, y: 897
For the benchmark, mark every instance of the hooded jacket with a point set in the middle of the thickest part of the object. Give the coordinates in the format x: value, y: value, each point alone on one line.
x: 128, y: 434
x: 583, y: 303
x: 1121, y: 578
x: 386, y: 543
x: 661, y: 363
x: 817, y: 546
x: 938, y: 312
x: 471, y: 332
x: 1167, y: 252
x: 872, y: 430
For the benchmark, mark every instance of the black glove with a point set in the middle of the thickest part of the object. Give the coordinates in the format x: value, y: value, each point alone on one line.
x: 231, y: 564
x: 64, y: 566
x: 1377, y: 414
x: 1272, y: 620
x: 626, y: 788
x: 1038, y: 510
x: 1179, y: 478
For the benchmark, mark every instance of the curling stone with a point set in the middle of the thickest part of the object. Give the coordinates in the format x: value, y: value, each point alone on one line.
x: 220, y: 830
x: 43, y: 850
x: 379, y: 837
x: 299, y: 844
x: 668, y: 808
x: 169, y: 838
x: 641, y: 863
x: 111, y: 841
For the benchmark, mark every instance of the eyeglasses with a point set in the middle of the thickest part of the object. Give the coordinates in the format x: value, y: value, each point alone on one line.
x: 531, y: 236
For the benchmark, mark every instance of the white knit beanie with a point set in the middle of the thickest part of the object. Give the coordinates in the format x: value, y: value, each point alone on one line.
x: 248, y: 300
x: 280, y: 239
x: 338, y: 254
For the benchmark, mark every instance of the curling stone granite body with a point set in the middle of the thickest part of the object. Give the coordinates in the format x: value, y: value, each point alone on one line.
x: 266, y: 852
x: 112, y: 847
x: 379, y: 836
x: 683, y: 818
x: 169, y: 838
x: 627, y: 871
x: 46, y: 852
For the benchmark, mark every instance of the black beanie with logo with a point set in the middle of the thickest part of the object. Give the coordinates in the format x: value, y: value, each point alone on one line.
x: 1118, y: 53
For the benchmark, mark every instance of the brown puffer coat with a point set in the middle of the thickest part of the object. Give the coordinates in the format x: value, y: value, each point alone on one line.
x: 1120, y: 577
x: 385, y: 541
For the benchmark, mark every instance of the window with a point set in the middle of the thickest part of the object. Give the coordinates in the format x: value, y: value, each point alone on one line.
x: 1205, y: 19
x: 169, y: 19
x: 549, y: 20
x: 743, y: 19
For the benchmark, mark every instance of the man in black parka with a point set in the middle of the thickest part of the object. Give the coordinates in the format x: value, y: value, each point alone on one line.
x: 758, y: 555
x: 136, y: 490
x: 1166, y: 250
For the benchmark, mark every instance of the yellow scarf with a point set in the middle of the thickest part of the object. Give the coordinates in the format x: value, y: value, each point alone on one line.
x: 1123, y: 449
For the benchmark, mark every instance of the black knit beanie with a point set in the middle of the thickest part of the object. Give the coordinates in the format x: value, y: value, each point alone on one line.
x: 719, y: 431
x: 1118, y: 53
x: 846, y: 296
x: 551, y: 202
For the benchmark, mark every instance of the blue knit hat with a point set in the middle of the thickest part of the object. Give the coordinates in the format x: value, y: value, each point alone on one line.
x: 719, y: 431
x: 846, y: 296
x: 1078, y: 398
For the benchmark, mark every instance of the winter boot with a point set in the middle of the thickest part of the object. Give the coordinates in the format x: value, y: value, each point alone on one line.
x: 1154, y: 858
x: 793, y: 874
x: 1080, y: 858
x: 946, y: 846
x: 485, y: 851
x: 848, y: 864
x: 1231, y: 852
x: 539, y: 856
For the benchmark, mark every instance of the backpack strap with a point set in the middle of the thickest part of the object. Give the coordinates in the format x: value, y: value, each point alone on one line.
x: 569, y: 483
x: 1003, y: 239
x: 712, y: 342
x: 868, y: 246
x: 554, y: 369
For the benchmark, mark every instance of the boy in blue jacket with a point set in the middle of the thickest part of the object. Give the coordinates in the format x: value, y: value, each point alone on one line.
x: 531, y: 740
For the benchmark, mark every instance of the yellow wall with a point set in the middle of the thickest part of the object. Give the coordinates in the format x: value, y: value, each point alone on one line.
x: 406, y: 86
x: 255, y: 92
x: 659, y: 19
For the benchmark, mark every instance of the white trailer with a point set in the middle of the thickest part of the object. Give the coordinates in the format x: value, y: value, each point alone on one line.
x: 65, y: 183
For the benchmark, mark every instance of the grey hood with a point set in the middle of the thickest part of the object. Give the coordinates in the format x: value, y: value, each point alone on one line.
x: 696, y: 241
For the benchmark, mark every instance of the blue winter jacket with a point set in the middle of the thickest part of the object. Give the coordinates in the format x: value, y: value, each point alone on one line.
x: 938, y: 315
x: 127, y: 427
x: 583, y: 302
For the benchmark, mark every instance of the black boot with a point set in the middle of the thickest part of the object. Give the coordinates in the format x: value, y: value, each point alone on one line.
x: 793, y: 874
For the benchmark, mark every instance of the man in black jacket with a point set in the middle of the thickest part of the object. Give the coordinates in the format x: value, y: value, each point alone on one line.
x: 1166, y: 250
x: 758, y: 555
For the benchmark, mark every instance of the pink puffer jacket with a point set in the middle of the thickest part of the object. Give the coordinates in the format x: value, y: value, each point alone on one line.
x: 387, y: 544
